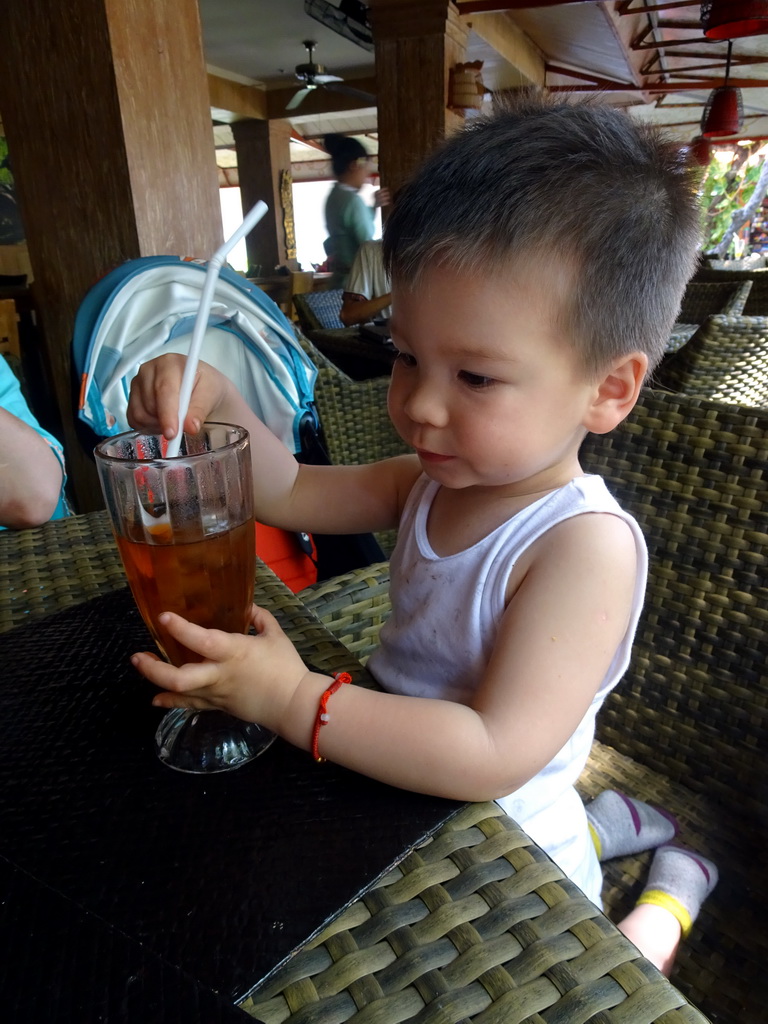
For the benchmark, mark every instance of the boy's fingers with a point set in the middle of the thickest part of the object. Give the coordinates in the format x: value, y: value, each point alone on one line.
x: 162, y: 385
x: 167, y: 398
x: 264, y: 622
x: 140, y: 405
x: 155, y: 394
x: 177, y: 700
x: 187, y: 680
x: 212, y: 644
x: 155, y: 669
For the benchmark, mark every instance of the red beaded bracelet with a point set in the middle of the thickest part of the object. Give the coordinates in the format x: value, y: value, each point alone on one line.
x: 339, y: 678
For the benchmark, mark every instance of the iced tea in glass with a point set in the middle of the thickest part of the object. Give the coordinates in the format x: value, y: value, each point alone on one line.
x: 185, y: 531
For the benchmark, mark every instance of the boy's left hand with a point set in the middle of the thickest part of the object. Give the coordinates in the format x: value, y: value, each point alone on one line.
x: 251, y: 677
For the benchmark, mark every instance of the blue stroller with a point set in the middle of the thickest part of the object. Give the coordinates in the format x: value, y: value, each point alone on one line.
x: 148, y: 306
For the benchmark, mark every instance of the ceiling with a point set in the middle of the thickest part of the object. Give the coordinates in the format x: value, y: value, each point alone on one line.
x: 654, y: 48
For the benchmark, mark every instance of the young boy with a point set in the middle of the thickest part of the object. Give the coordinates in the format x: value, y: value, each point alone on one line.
x: 537, y: 262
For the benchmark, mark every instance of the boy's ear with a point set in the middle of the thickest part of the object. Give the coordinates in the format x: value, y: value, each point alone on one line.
x: 616, y: 392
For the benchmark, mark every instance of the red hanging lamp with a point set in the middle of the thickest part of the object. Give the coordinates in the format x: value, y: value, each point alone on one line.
x: 734, y: 19
x: 724, y: 112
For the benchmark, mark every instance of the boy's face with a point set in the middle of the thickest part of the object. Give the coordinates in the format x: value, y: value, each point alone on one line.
x: 486, y: 389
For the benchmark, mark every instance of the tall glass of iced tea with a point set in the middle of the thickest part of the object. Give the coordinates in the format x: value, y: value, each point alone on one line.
x: 185, y: 530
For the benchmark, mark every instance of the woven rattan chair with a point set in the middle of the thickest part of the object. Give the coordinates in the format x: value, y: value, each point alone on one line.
x: 356, y: 425
x: 757, y: 302
x: 688, y: 726
x: 706, y: 298
x: 358, y: 358
x: 725, y: 360
x: 340, y: 345
x: 318, y: 310
x: 321, y: 361
x: 736, y: 305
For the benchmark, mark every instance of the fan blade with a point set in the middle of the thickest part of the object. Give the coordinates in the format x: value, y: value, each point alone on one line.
x: 324, y: 79
x: 366, y: 97
x: 298, y: 97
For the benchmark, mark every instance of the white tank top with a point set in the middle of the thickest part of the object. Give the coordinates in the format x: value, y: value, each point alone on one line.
x: 441, y: 632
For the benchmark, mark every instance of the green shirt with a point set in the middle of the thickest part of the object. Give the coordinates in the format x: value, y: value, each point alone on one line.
x: 349, y: 222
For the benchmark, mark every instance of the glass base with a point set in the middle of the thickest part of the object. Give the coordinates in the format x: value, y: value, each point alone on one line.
x: 203, y: 742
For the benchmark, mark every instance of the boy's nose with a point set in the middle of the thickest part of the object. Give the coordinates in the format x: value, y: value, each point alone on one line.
x: 425, y: 404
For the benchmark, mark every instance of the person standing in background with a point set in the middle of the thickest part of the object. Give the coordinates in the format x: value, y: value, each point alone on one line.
x: 348, y: 219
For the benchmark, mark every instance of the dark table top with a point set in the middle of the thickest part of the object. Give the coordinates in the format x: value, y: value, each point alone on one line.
x: 132, y: 893
x: 130, y: 887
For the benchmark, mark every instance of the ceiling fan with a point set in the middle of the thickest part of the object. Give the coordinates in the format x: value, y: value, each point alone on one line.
x: 314, y: 77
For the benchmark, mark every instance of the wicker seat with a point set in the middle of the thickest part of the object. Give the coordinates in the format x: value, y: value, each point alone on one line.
x: 726, y: 360
x: 688, y: 726
x: 706, y: 298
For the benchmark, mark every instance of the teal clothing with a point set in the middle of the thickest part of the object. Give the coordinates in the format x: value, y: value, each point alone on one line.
x: 349, y: 222
x: 12, y: 399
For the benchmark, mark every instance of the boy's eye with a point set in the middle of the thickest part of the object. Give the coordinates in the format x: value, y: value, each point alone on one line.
x: 475, y: 380
x: 405, y: 358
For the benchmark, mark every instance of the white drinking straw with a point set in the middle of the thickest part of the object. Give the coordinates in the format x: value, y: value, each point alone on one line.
x: 201, y: 323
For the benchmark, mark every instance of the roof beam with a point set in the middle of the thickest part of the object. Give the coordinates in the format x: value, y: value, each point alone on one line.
x: 511, y: 44
x: 655, y: 87
x: 624, y: 31
x: 625, y: 6
x: 232, y: 101
x: 639, y: 42
x: 650, y: 68
x: 307, y: 141
x: 486, y: 6
x: 691, y: 124
x: 588, y: 76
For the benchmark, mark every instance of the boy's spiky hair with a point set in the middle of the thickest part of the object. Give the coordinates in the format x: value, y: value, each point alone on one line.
x: 581, y: 183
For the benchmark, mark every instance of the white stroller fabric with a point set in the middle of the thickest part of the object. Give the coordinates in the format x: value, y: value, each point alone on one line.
x: 154, y: 312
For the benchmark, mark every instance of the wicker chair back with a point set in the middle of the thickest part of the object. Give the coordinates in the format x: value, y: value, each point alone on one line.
x: 705, y: 298
x: 694, y: 473
x: 726, y: 360
x: 356, y: 425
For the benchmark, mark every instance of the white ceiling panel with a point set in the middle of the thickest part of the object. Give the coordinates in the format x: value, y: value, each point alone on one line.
x: 261, y: 41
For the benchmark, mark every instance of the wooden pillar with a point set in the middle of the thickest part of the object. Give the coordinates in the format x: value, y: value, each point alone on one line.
x: 106, y: 111
x: 417, y: 43
x: 263, y: 158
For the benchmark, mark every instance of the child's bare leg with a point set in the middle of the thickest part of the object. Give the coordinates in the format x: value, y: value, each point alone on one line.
x: 655, y: 932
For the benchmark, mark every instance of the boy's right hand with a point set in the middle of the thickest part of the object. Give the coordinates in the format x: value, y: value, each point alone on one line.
x: 154, y: 398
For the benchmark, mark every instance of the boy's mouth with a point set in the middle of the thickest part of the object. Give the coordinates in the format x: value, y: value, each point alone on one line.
x: 432, y: 456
